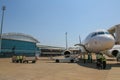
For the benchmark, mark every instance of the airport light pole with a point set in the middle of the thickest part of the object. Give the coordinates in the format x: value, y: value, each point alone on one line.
x: 3, y: 9
x: 66, y: 41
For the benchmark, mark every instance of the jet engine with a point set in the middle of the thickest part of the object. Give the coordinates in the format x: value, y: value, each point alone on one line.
x: 67, y: 53
x: 113, y: 53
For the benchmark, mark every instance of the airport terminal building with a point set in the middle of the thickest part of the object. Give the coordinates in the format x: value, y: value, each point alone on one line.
x: 18, y: 44
x: 50, y: 50
x: 22, y: 44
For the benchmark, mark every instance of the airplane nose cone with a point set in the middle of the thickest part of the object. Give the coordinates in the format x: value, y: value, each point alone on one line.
x: 109, y: 42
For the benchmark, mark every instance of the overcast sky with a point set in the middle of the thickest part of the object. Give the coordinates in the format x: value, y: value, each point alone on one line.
x: 48, y: 20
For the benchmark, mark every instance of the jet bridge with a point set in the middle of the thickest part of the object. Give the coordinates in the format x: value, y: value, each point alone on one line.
x: 115, y: 31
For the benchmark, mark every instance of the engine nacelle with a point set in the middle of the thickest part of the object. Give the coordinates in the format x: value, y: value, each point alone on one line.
x: 113, y: 53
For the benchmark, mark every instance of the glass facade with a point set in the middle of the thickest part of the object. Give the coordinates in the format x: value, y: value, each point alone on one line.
x: 17, y: 47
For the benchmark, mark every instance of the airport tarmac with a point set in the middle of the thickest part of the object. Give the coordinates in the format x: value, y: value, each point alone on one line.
x: 46, y: 69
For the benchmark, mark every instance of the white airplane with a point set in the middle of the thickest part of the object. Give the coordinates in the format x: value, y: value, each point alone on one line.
x: 98, y: 41
x: 114, y: 52
x: 95, y: 42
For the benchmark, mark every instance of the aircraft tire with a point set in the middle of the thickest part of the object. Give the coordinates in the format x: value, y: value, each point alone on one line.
x: 72, y: 61
x: 57, y: 61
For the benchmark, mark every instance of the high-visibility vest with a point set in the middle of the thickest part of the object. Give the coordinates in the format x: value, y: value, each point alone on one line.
x: 84, y: 56
x: 103, y: 58
x: 98, y: 56
x: 20, y: 57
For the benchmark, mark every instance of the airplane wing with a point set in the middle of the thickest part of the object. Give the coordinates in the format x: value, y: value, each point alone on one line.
x: 83, y: 46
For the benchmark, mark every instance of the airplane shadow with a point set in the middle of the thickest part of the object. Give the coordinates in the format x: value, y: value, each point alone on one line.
x: 93, y: 64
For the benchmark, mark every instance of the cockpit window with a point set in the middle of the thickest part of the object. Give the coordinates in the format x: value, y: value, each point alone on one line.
x: 94, y: 34
x: 106, y: 32
x: 99, y: 33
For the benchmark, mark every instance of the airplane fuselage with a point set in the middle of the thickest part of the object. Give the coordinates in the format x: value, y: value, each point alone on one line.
x: 99, y: 41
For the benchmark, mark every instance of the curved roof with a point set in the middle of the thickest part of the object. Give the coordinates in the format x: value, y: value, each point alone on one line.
x: 19, y: 36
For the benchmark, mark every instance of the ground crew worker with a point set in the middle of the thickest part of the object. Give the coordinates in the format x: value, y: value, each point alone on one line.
x: 20, y: 59
x: 101, y: 55
x: 13, y: 58
x: 24, y: 59
x: 104, y: 62
x: 84, y: 56
x: 99, y: 60
x: 17, y: 59
x: 89, y: 58
x: 97, y: 56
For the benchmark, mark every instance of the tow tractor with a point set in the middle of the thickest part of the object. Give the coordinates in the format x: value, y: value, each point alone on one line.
x: 65, y: 60
x: 68, y: 58
x: 24, y: 60
x: 30, y: 59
